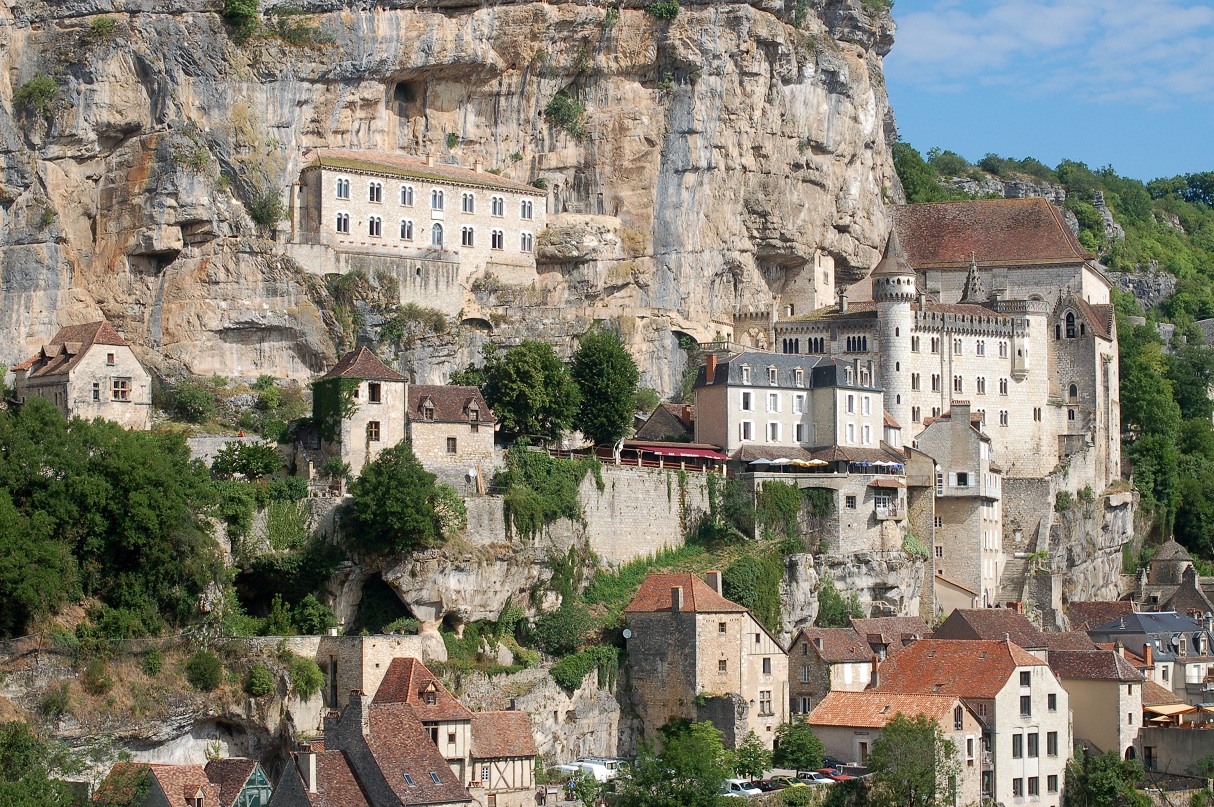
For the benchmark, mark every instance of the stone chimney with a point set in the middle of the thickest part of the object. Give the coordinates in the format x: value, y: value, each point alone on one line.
x: 478, y: 166
x: 710, y: 368
x: 713, y: 579
x: 843, y: 302
x: 676, y: 599
x: 1119, y: 647
x: 307, y: 766
x: 686, y: 416
x: 874, y: 680
x: 1148, y: 654
x: 429, y: 159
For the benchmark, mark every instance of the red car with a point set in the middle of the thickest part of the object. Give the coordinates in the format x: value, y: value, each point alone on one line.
x: 836, y: 773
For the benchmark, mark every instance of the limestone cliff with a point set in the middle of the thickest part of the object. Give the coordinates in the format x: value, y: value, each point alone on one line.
x: 722, y: 150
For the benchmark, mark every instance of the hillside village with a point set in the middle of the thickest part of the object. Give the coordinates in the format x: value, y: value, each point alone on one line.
x: 424, y: 468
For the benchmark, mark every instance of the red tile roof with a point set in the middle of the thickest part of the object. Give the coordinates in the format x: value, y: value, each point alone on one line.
x: 363, y: 365
x: 1085, y: 615
x: 998, y: 232
x: 398, y: 165
x: 837, y: 644
x: 892, y: 631
x: 400, y: 745
x: 873, y: 709
x: 992, y: 624
x: 336, y: 785
x: 889, y: 421
x: 1155, y: 695
x: 1100, y: 317
x: 502, y: 735
x: 698, y: 597
x: 181, y: 783
x: 230, y: 775
x: 68, y: 347
x: 1092, y: 665
x: 408, y: 681
x: 965, y: 668
x: 451, y: 404
x: 1068, y: 640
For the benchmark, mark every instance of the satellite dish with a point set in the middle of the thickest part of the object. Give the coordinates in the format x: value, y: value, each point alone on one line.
x: 627, y: 633
x: 472, y: 473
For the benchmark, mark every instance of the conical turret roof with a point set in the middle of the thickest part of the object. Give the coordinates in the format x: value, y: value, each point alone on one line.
x: 894, y: 261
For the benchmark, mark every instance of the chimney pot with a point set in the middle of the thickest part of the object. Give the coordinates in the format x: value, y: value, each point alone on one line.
x: 478, y: 166
x: 710, y: 368
x: 429, y: 159
x: 676, y: 599
x: 875, y: 678
x: 843, y: 302
x: 713, y: 579
x: 307, y: 767
x: 1148, y: 654
x: 687, y: 415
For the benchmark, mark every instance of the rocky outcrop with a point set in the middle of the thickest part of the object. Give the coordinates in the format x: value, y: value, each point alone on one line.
x: 722, y: 149
x: 1008, y: 188
x: 885, y: 584
x: 1150, y: 287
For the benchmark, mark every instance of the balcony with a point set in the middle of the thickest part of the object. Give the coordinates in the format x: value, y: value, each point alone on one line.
x: 890, y: 512
x: 988, y: 761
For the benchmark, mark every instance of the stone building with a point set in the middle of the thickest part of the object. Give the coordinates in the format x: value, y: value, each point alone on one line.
x: 1106, y: 698
x: 1181, y: 649
x: 968, y: 528
x: 993, y: 624
x: 89, y: 371
x: 1023, y: 709
x: 694, y: 654
x: 887, y: 635
x: 232, y: 782
x: 848, y: 723
x: 824, y: 660
x: 450, y: 429
x: 994, y: 302
x: 669, y: 422
x: 432, y: 226
x: 358, y: 409
x: 414, y: 744
x: 1171, y: 583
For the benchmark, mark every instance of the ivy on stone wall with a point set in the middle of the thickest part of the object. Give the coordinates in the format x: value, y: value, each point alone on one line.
x: 539, y: 488
x: 333, y: 402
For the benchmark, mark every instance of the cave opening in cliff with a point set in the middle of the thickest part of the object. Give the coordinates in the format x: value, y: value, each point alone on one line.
x: 379, y: 608
x: 407, y: 97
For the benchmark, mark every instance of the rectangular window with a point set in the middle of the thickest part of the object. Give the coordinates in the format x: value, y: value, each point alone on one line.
x: 773, y: 402
x: 1017, y: 787
x: 940, y: 525
x: 915, y: 382
x: 866, y: 405
x: 484, y: 773
x: 1026, y: 678
x: 1051, y: 701
x: 1026, y: 705
x: 109, y: 359
x: 746, y: 430
x: 373, y: 392
x: 1034, y: 745
x: 773, y: 432
x: 746, y: 402
x: 851, y: 404
x: 373, y: 431
x: 851, y: 433
x: 850, y: 502
x: 767, y: 666
x: 799, y: 432
x: 722, y: 666
x: 122, y: 389
x: 963, y: 480
x: 1051, y: 743
x: 771, y: 375
x: 1017, y: 746
x: 721, y: 628
x: 799, y: 377
x: 96, y: 390
x: 935, y: 382
x: 914, y: 344
x: 1033, y: 786
x: 765, y: 702
x: 939, y: 549
x: 798, y: 404
x: 867, y: 435
x: 451, y: 738
x: 745, y: 375
x: 1051, y: 783
x: 451, y: 445
x: 805, y: 671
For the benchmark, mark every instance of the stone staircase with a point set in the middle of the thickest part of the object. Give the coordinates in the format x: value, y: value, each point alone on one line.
x: 1011, y: 583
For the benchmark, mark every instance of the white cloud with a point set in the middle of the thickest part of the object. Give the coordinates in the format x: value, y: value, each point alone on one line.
x: 1145, y: 50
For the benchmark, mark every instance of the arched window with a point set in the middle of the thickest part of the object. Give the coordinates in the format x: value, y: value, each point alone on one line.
x: 467, y: 203
x: 375, y: 192
x: 375, y: 226
x: 1070, y: 325
x: 406, y: 195
x: 497, y: 206
x: 497, y: 239
x: 526, y: 209
x: 436, y: 233
x: 1073, y: 392
x: 466, y: 236
x: 526, y: 242
x: 406, y: 230
x: 343, y: 188
x: 343, y: 222
x: 436, y: 200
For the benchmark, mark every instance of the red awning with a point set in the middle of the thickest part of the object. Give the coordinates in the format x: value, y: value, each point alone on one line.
x: 679, y: 451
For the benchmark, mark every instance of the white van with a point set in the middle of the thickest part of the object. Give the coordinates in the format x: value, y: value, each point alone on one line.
x: 596, y: 769
x: 738, y: 787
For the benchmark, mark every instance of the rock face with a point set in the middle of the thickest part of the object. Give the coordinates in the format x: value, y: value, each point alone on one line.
x: 885, y: 583
x: 722, y: 150
x: 1150, y: 288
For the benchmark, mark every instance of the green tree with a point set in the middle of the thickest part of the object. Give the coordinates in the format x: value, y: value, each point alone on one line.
x: 797, y: 747
x: 393, y: 503
x: 530, y: 390
x: 306, y: 677
x: 204, y: 671
x: 586, y: 790
x: 687, y: 773
x: 193, y: 402
x: 754, y: 582
x: 750, y: 759
x: 606, y: 378
x: 1106, y: 780
x: 250, y: 460
x: 913, y: 764
x: 919, y: 180
x: 28, y: 766
x: 37, y: 572
x: 947, y: 163
x: 261, y: 681
x: 835, y: 611
x: 564, y: 630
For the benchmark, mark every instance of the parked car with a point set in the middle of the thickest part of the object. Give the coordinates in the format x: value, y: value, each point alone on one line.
x: 613, y: 767
x: 767, y: 785
x: 738, y: 787
x: 835, y: 773
x: 831, y: 762
x: 599, y: 771
x: 788, y: 781
x: 814, y: 778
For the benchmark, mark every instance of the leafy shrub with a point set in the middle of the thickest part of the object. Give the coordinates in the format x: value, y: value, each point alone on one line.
x: 566, y: 112
x: 541, y: 489
x: 37, y: 94
x: 57, y: 700
x: 664, y: 9
x: 204, y: 671
x: 192, y: 402
x: 306, y: 677
x: 294, y: 26
x: 1063, y: 501
x: 250, y: 460
x: 562, y: 631
x: 405, y: 625
x: 834, y: 611
x: 570, y: 671
x: 1087, y: 495
x: 153, y: 662
x: 97, y: 678
x: 289, y: 489
x: 100, y: 30
x: 266, y: 208
x: 287, y: 524
x: 646, y: 399
x: 242, y: 14
x: 261, y: 681
x: 313, y: 617
x: 755, y: 583
x: 451, y: 511
x: 452, y: 140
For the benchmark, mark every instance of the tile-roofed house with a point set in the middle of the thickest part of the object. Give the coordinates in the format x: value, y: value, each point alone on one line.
x: 408, y: 757
x: 1013, y: 693
x: 450, y: 429
x: 362, y: 365
x: 183, y: 785
x: 993, y: 624
x: 399, y: 165
x: 410, y: 682
x: 848, y: 723
x: 1181, y: 649
x: 1087, y: 614
x: 1155, y: 695
x: 687, y: 640
x: 1105, y: 692
x: 318, y: 778
x: 669, y: 421
x: 241, y: 781
x: 822, y: 660
x: 503, y: 750
x: 358, y: 410
x: 1000, y: 232
x: 88, y: 371
x: 889, y: 634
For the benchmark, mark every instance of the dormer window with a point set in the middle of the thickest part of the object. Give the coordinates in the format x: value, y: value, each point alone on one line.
x: 474, y: 414
x: 431, y: 699
x: 434, y: 777
x: 745, y: 374
x: 428, y: 410
x: 771, y: 375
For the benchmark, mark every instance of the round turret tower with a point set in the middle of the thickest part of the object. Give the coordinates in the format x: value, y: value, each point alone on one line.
x: 894, y: 294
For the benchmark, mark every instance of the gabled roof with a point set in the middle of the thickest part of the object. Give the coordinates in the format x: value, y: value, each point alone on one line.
x: 502, y: 735
x: 400, y: 745
x: 1092, y: 665
x: 363, y: 365
x: 336, y: 785
x: 874, y: 708
x: 408, y: 681
x: 889, y: 421
x: 230, y: 775
x: 667, y: 421
x: 1148, y: 622
x: 451, y: 404
x: 992, y: 624
x: 1067, y: 640
x: 1099, y: 316
x: 837, y: 644
x: 966, y: 669
x: 894, y: 632
x: 398, y: 165
x: 69, y: 346
x: 1088, y: 614
x: 654, y: 596
x: 998, y: 232
x: 1155, y: 695
x: 181, y: 783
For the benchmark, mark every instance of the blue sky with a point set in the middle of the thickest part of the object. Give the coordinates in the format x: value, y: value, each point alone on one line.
x: 1127, y: 83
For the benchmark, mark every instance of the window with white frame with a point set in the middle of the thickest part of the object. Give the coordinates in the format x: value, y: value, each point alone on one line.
x: 866, y: 405
x: 771, y: 375
x: 747, y: 402
x: 745, y: 374
x: 406, y: 230
x: 851, y: 404
x: 497, y: 239
x: 375, y: 192
x: 497, y: 206
x: 773, y: 402
x: 467, y: 237
x: 467, y: 203
x: 867, y: 435
x: 343, y: 222
x: 526, y: 242
x: 798, y: 404
x: 525, y: 210
x: 406, y: 195
x: 799, y: 432
x: 798, y: 377
x: 851, y: 433
x: 436, y: 199
x: 375, y: 226
x: 343, y: 188
x: 773, y: 432
x: 436, y: 235
x: 746, y: 430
